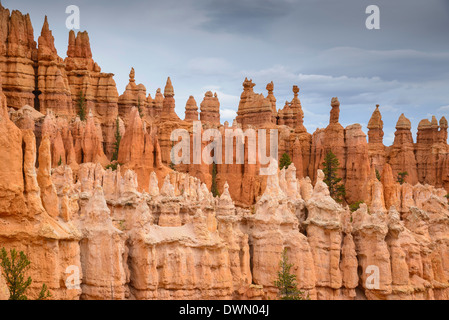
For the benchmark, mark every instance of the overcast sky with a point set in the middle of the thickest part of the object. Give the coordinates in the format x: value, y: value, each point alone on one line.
x: 321, y: 46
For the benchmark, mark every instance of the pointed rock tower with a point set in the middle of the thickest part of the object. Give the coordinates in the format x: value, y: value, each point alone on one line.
x: 191, y: 110
x: 134, y: 96
x: 210, y: 108
x: 168, y: 107
x: 401, y: 155
x: 54, y: 90
x: 254, y: 109
x: 376, y: 148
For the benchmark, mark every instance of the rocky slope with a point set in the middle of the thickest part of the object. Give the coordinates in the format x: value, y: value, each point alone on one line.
x: 145, y: 231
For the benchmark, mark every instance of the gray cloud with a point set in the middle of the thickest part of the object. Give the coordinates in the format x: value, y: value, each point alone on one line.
x: 243, y: 16
x: 407, y: 65
x: 320, y: 45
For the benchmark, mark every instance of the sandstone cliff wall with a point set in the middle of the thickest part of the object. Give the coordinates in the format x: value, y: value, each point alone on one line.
x: 145, y: 231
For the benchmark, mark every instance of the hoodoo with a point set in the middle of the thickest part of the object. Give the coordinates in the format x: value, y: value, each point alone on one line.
x: 88, y: 183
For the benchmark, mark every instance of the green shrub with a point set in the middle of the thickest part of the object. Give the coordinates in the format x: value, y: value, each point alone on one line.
x: 214, y: 187
x: 114, y: 165
x: 377, y: 175
x: 330, y: 167
x: 81, y: 103
x: 286, y: 281
x: 13, y: 270
x: 355, y: 206
x: 285, y: 161
x: 401, y: 177
x: 118, y: 138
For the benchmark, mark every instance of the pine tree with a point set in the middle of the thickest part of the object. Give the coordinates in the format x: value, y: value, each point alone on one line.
x: 44, y: 294
x: 286, y: 281
x: 113, y: 166
x: 13, y: 270
x: 377, y: 175
x: 60, y: 161
x: 330, y: 168
x: 355, y: 206
x: 401, y: 177
x: 214, y: 187
x: 81, y: 106
x: 172, y: 155
x: 285, y: 161
x: 139, y: 107
x: 118, y: 138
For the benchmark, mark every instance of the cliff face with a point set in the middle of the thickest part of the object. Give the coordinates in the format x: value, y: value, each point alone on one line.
x: 432, y: 167
x: 210, y: 109
x: 28, y: 213
x: 191, y: 110
x: 254, y: 109
x: 98, y: 88
x: 147, y: 231
x: 53, y: 87
x: 134, y: 96
x: 38, y: 77
x: 176, y: 241
x: 19, y: 52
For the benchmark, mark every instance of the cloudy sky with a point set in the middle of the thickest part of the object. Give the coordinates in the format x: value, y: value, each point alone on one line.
x: 321, y: 46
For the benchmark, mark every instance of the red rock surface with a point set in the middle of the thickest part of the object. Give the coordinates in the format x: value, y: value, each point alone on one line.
x: 254, y: 109
x: 191, y: 110
x: 292, y: 115
x: 376, y: 148
x: 18, y: 53
x: 210, y: 109
x: 139, y: 151
x: 134, y: 96
x: 161, y: 232
x: 99, y: 88
x: 401, y: 154
x: 53, y: 85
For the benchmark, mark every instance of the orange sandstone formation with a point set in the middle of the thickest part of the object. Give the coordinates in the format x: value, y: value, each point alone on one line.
x: 24, y: 223
x: 254, y: 109
x: 168, y: 106
x: 332, y: 138
x: 99, y: 88
x: 139, y: 150
x: 18, y: 51
x: 357, y: 164
x: 376, y: 149
x: 272, y: 98
x: 432, y: 152
x: 191, y: 110
x: 230, y: 252
x: 401, y: 155
x: 210, y: 109
x: 145, y: 231
x: 134, y: 96
x: 53, y: 88
x: 292, y: 115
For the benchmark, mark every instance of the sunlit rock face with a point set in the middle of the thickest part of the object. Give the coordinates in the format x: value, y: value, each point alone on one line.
x: 210, y: 109
x: 175, y: 240
x: 18, y: 50
x: 145, y: 228
x: 143, y: 239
